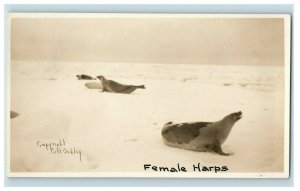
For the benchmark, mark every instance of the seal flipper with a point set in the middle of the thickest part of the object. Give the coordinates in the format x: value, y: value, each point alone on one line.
x: 217, y: 149
x: 141, y: 86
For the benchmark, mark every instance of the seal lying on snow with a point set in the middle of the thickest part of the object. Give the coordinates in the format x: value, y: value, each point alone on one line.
x: 115, y: 87
x: 85, y: 77
x: 200, y: 136
x: 93, y: 85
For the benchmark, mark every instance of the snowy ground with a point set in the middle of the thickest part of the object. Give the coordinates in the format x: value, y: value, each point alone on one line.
x: 121, y: 133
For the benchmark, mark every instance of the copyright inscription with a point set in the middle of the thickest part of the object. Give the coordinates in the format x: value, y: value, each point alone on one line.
x: 59, y: 147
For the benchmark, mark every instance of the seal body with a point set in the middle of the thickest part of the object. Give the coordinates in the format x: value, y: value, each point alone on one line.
x: 84, y: 77
x: 200, y: 136
x: 115, y: 87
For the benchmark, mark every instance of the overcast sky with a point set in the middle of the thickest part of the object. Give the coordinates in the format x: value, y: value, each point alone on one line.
x: 149, y: 40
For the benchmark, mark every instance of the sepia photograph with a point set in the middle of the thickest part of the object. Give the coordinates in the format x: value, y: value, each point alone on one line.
x: 148, y: 95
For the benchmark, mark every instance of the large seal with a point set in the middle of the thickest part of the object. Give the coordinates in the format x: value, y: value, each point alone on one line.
x: 115, y: 87
x: 200, y: 136
x: 84, y: 77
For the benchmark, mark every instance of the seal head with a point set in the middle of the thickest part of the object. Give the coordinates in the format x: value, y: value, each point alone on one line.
x: 235, y: 116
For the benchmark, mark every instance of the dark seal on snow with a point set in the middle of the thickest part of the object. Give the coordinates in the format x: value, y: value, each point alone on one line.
x: 200, y: 136
x: 115, y: 87
x: 13, y: 114
x: 84, y: 77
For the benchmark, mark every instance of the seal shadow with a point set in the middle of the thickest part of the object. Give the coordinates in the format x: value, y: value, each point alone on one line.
x: 227, y: 84
x: 130, y: 140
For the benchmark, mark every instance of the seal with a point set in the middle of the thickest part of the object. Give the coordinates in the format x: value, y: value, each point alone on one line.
x: 85, y: 77
x: 115, y: 87
x: 93, y: 85
x: 13, y: 114
x: 200, y: 136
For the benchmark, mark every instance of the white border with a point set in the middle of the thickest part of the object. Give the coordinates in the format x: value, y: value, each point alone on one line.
x: 142, y: 15
x: 287, y: 63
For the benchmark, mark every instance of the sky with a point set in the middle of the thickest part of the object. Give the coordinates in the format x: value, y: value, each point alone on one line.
x: 257, y: 41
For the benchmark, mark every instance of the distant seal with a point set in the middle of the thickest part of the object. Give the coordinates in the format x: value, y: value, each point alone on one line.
x: 13, y: 114
x: 115, y: 87
x: 85, y: 77
x: 200, y: 136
